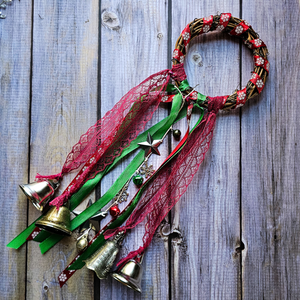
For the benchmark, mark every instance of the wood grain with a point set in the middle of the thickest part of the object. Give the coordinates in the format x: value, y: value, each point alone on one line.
x: 15, y: 45
x: 247, y: 188
x: 205, y: 263
x: 134, y: 46
x: 270, y: 159
x: 64, y: 106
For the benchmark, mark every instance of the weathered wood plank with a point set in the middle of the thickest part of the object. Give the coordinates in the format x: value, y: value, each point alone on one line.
x: 64, y: 106
x: 205, y: 263
x: 15, y: 45
x: 134, y: 46
x: 270, y: 159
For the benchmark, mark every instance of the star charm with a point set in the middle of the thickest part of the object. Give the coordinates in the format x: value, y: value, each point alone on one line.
x: 92, y: 222
x: 151, y: 145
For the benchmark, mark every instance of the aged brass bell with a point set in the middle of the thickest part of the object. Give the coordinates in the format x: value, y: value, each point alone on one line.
x: 56, y: 221
x: 82, y: 241
x: 103, y: 259
x: 40, y: 192
x: 130, y: 274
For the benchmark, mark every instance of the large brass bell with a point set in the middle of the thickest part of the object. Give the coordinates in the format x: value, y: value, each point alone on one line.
x: 40, y: 192
x: 130, y: 274
x: 103, y: 259
x: 56, y: 221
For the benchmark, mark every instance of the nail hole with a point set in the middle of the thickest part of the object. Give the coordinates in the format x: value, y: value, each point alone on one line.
x: 160, y: 36
x: 197, y: 59
x: 240, y: 248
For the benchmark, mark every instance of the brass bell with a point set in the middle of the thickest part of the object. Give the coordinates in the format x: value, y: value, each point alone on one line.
x: 40, y: 192
x: 82, y: 241
x: 103, y: 259
x: 56, y: 221
x: 130, y: 274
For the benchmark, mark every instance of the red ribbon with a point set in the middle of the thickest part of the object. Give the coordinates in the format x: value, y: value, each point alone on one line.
x: 172, y: 181
x: 104, y: 141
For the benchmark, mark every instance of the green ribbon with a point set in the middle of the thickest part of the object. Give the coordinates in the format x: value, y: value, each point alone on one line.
x: 120, y: 182
x: 87, y: 188
x: 156, y: 131
x: 100, y: 240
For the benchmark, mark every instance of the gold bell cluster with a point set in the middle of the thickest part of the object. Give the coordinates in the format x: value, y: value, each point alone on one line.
x: 40, y: 193
x: 101, y: 262
x: 58, y: 220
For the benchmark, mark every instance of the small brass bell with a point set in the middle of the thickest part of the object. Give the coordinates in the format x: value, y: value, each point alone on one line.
x: 102, y: 260
x: 82, y: 241
x: 56, y: 221
x: 40, y: 192
x: 130, y: 274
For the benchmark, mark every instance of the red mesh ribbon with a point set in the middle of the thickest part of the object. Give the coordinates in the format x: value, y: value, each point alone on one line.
x: 172, y: 181
x: 104, y: 141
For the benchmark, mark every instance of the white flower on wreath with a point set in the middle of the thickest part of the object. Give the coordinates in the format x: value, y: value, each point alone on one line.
x: 268, y: 66
x: 175, y: 53
x: 206, y: 28
x: 259, y: 83
x: 253, y: 76
x: 246, y: 23
x: 62, y: 277
x: 257, y: 42
x: 181, y: 59
x: 225, y: 17
x: 186, y: 36
x: 239, y: 29
x: 260, y: 61
x: 242, y: 96
x: 164, y: 98
x: 34, y: 234
x: 221, y: 27
x: 207, y: 19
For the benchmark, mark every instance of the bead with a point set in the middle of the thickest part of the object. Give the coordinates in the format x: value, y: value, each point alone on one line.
x: 176, y: 134
x: 114, y: 211
x: 138, y: 180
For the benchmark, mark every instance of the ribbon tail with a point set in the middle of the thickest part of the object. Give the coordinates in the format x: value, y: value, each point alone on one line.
x: 40, y: 177
x: 167, y: 188
x: 131, y: 255
x: 60, y: 200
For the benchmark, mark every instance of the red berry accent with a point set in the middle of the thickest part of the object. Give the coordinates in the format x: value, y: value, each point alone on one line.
x: 114, y: 211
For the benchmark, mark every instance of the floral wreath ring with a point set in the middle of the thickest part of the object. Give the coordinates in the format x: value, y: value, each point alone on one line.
x: 236, y: 27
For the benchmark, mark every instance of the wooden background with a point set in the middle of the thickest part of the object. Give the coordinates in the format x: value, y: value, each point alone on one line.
x: 235, y: 233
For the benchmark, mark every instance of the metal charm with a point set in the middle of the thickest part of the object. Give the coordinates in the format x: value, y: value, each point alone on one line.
x: 82, y: 241
x: 151, y: 146
x: 146, y: 170
x: 3, y: 5
x: 122, y: 196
